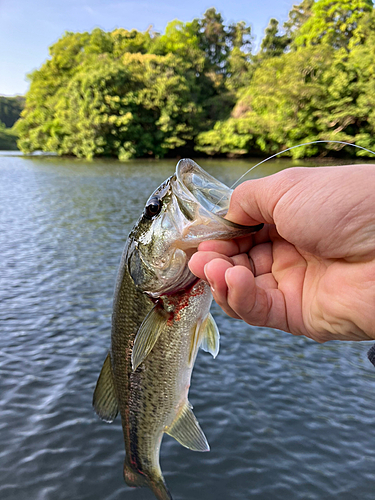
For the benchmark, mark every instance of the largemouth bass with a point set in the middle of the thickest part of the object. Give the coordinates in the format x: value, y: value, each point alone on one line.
x: 160, y: 319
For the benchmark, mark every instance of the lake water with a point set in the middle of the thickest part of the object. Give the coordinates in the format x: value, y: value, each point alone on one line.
x: 286, y: 418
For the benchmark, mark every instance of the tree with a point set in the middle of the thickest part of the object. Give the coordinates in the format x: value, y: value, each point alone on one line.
x: 348, y: 111
x: 321, y: 90
x: 130, y: 94
x: 277, y: 109
x: 181, y: 39
x: 273, y: 44
x: 137, y: 106
x: 10, y: 109
x: 212, y: 39
x: 130, y: 41
x: 8, y: 139
x: 297, y: 17
x: 332, y: 22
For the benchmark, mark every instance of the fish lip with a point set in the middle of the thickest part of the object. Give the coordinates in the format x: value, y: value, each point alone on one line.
x: 253, y: 229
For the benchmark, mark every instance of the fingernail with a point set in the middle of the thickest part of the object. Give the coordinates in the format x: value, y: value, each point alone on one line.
x: 208, y: 279
x: 228, y: 272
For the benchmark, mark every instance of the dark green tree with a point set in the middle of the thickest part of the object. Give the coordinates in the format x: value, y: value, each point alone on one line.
x: 10, y: 109
x: 212, y: 39
x: 8, y: 139
x: 273, y: 43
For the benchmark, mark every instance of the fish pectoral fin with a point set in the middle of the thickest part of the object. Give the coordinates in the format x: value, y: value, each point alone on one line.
x: 210, y: 336
x: 105, y: 400
x: 148, y: 334
x: 186, y: 430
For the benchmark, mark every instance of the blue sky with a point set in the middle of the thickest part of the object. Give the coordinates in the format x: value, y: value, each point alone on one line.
x: 29, y: 27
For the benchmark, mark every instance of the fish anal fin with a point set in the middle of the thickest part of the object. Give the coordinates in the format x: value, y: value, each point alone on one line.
x: 148, y: 334
x: 210, y: 336
x: 105, y: 399
x: 132, y: 477
x: 186, y: 430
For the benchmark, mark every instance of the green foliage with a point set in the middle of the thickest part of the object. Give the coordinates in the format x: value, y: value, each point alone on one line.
x: 10, y: 109
x: 181, y: 39
x: 197, y: 87
x: 230, y: 137
x: 130, y: 94
x: 273, y: 44
x: 135, y: 106
x: 298, y: 16
x: 278, y: 107
x: 8, y: 139
x: 323, y: 89
x: 332, y: 22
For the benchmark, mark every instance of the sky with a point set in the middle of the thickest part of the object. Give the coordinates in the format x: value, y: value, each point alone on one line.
x: 29, y: 27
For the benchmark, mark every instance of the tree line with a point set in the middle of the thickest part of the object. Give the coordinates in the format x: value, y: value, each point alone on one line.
x: 199, y: 89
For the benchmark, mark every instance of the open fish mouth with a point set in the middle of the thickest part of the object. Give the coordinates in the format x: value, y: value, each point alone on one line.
x: 211, y: 194
x: 204, y: 202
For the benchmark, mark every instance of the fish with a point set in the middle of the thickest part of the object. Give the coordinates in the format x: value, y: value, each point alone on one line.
x: 161, y: 316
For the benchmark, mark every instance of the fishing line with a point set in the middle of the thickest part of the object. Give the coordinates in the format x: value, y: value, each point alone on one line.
x: 298, y: 146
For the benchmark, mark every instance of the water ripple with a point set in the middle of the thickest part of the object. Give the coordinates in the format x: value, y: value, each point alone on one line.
x: 286, y: 418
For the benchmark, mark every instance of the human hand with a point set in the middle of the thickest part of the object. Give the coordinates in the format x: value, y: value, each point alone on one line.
x: 311, y: 269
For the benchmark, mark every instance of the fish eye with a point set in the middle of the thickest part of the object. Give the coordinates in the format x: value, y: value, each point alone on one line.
x: 153, y: 208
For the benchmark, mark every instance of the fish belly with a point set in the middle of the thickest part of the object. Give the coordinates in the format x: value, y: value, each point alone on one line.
x: 158, y: 388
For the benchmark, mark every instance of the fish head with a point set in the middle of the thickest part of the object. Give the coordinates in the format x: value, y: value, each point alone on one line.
x: 185, y: 210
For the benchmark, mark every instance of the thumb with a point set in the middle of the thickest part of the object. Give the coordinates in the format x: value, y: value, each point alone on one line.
x: 254, y: 201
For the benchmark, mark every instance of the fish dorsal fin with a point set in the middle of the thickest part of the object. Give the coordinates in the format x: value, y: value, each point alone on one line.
x: 210, y: 336
x: 148, y: 334
x: 105, y: 400
x: 186, y: 430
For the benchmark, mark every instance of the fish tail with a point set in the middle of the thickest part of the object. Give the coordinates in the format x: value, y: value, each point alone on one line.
x: 156, y: 484
x: 160, y: 489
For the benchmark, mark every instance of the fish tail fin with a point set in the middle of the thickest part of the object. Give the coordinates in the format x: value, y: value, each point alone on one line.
x: 136, y: 479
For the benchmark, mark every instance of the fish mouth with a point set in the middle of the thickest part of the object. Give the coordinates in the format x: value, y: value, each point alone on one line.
x: 211, y: 194
x: 204, y: 201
